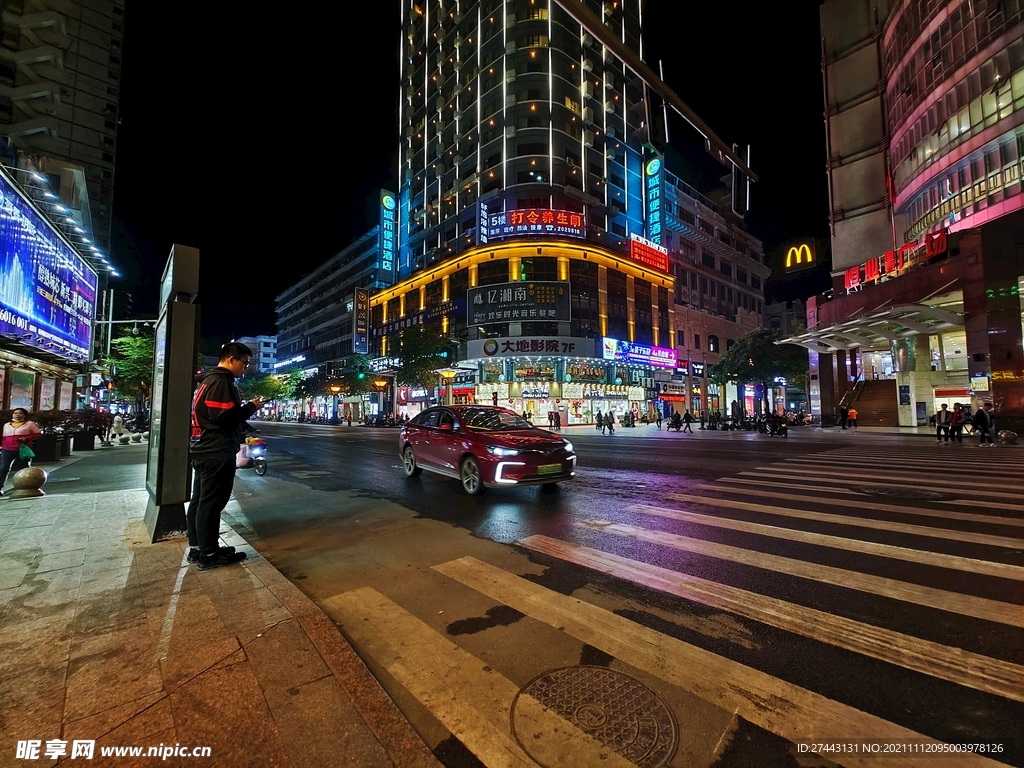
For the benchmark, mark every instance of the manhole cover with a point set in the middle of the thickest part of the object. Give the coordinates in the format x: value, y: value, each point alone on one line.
x: 615, y: 709
x: 919, y: 494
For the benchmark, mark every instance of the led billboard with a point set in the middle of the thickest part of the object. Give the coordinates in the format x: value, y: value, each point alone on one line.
x: 47, y: 291
x: 641, y: 354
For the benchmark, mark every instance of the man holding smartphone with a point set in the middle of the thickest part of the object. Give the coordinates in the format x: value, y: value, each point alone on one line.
x: 218, y: 417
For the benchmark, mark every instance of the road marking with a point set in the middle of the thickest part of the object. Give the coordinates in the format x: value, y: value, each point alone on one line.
x: 937, y: 559
x: 792, y: 712
x: 889, y: 463
x: 921, y: 478
x: 904, y: 591
x: 1012, y: 521
x: 469, y: 698
x: 857, y: 522
x: 840, y: 478
x: 956, y: 665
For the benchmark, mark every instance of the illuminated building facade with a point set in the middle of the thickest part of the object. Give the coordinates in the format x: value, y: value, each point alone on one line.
x: 525, y: 161
x: 926, y: 206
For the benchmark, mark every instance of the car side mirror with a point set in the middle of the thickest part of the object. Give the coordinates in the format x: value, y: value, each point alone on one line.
x: 446, y: 427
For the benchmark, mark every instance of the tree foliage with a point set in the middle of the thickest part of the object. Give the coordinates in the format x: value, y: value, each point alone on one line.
x: 757, y: 358
x: 132, y: 356
x: 422, y: 351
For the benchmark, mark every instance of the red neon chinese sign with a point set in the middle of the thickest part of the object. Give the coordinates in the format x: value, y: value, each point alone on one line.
x: 536, y: 221
x: 647, y: 253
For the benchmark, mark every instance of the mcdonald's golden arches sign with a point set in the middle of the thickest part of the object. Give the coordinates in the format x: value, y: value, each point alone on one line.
x: 800, y: 256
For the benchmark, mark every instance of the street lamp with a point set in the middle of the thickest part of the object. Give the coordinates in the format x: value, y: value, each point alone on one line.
x: 335, y: 390
x: 447, y: 375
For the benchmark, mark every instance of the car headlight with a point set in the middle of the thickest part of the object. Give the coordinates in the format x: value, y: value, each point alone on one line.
x: 568, y: 446
x: 499, y: 451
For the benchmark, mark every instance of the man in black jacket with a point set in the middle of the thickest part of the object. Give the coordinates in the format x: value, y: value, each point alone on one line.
x: 217, y: 420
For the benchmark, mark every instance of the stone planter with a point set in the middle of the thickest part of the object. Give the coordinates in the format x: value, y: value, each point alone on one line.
x: 47, y: 449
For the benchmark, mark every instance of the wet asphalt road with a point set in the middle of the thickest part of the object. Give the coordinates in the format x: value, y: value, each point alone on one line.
x: 335, y: 514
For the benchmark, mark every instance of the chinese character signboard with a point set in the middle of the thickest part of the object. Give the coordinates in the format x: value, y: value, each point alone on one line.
x: 641, y: 354
x: 648, y: 253
x: 516, y: 302
x: 530, y: 221
x: 361, y: 321
x: 652, y: 194
x: 893, y: 263
x: 47, y: 291
x: 697, y: 369
x: 483, y: 224
x: 388, y: 238
x: 423, y: 317
x: 524, y: 346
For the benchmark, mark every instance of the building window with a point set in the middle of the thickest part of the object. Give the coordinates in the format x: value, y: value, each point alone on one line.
x: 755, y: 281
x: 643, y: 330
x: 491, y: 272
x: 696, y: 341
x: 713, y: 345
x: 741, y: 275
x: 726, y: 268
x: 708, y: 259
x: 583, y: 298
x: 539, y: 268
x: 618, y: 314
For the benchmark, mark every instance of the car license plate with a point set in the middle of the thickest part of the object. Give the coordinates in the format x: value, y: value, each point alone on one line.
x: 549, y: 469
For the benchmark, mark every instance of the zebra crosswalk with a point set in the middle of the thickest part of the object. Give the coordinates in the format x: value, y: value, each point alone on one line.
x: 896, y: 572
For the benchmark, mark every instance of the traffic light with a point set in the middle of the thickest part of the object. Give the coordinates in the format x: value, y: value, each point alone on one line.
x: 494, y: 398
x: 362, y: 372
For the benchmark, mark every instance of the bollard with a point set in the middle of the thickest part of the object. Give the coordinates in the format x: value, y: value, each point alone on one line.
x: 136, y: 438
x: 1006, y: 437
x: 28, y: 482
x: 124, y: 439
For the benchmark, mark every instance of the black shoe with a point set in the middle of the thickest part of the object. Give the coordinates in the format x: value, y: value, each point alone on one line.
x: 193, y: 553
x: 206, y: 562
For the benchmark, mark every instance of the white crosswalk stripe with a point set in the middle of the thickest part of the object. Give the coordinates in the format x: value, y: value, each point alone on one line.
x: 879, y: 524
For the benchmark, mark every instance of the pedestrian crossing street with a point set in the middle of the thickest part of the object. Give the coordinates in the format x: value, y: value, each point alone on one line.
x: 905, y: 561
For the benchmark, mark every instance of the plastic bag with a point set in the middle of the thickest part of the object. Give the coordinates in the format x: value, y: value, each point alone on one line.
x: 24, y: 452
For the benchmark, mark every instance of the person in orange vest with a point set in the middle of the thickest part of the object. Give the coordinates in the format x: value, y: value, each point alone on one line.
x: 852, y: 417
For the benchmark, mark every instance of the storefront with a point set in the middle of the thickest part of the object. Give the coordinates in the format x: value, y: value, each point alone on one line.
x: 411, y: 401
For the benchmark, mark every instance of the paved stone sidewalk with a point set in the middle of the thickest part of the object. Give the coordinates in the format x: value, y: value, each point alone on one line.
x: 106, y: 637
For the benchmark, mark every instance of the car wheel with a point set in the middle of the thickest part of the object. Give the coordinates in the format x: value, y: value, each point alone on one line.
x: 469, y: 476
x: 409, y: 463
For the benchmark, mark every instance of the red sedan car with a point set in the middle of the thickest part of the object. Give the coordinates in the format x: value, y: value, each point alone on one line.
x: 483, y: 446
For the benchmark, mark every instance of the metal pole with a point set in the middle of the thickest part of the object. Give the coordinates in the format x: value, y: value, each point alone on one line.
x: 110, y: 317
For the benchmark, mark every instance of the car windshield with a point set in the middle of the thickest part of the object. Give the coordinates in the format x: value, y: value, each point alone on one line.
x: 487, y: 420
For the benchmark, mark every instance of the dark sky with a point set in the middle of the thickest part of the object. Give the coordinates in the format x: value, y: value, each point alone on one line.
x: 262, y: 142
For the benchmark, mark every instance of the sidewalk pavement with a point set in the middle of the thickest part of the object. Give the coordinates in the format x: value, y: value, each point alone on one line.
x: 105, y: 637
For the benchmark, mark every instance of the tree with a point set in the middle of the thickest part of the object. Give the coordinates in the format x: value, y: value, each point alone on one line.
x: 132, y: 354
x: 757, y: 358
x: 350, y: 381
x: 269, y: 386
x: 422, y: 351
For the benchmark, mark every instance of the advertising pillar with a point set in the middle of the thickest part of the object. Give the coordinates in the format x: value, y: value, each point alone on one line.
x: 177, y: 327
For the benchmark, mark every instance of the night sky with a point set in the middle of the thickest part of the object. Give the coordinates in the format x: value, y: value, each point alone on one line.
x: 262, y: 141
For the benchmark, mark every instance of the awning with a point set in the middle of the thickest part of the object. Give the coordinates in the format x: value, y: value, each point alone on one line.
x: 879, y: 327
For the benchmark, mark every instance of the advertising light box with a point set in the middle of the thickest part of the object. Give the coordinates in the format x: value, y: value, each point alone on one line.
x: 531, y: 221
x: 47, y: 291
x: 640, y: 354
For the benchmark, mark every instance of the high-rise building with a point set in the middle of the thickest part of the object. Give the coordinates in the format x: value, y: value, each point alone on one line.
x: 924, y: 103
x: 264, y: 352
x: 538, y: 227
x: 60, y: 69
x: 515, y: 104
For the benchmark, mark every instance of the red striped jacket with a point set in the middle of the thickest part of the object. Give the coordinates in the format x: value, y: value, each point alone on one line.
x: 217, y: 414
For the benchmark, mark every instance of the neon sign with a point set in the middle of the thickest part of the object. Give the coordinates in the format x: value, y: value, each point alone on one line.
x: 388, y: 238
x: 895, y: 261
x: 532, y: 221
x: 650, y: 254
x: 652, y: 193
x: 643, y: 354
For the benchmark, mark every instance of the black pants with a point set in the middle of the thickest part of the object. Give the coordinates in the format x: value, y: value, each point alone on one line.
x: 957, y: 433
x: 212, y: 481
x: 939, y: 430
x: 984, y: 434
x: 10, y: 463
x: 686, y: 427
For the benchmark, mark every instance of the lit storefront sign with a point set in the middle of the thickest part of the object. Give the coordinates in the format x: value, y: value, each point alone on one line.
x: 602, y: 392
x: 652, y: 189
x: 530, y: 345
x: 384, y: 364
x: 697, y: 369
x: 388, y: 238
x: 800, y: 257
x: 47, y: 291
x: 641, y: 354
x: 423, y: 317
x: 648, y: 253
x: 896, y: 261
x: 290, y: 361
x: 360, y: 328
x: 683, y: 367
x: 483, y: 224
x: 530, y: 221
x: 518, y: 301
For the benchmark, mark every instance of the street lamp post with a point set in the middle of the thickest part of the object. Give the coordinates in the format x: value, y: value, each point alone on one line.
x: 381, y: 385
x: 335, y: 390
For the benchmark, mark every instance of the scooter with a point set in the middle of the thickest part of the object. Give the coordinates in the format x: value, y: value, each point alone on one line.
x: 255, y: 450
x: 675, y: 422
